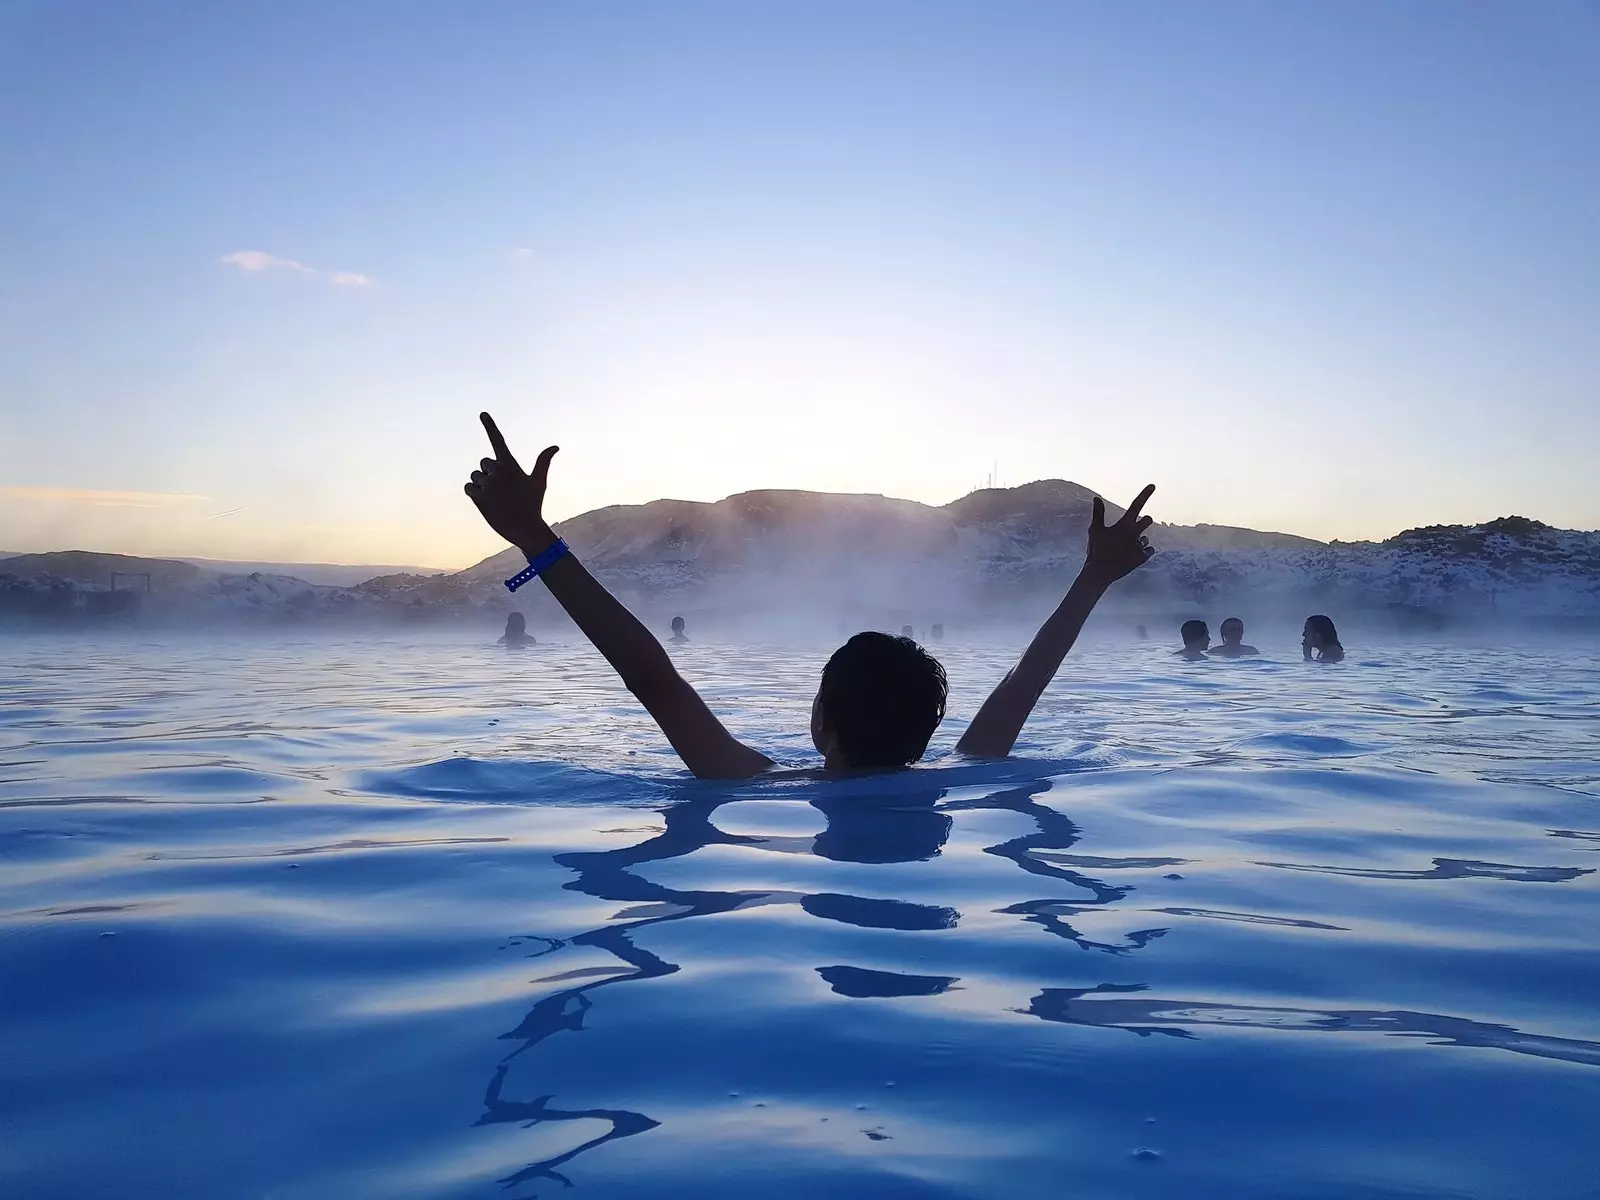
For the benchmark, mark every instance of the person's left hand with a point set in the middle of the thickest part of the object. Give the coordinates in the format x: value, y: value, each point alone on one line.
x: 510, y: 499
x: 1119, y: 549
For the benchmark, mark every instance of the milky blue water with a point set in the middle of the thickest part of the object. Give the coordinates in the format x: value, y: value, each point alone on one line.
x: 389, y: 918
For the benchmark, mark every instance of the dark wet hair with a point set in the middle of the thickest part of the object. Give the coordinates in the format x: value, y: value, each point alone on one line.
x: 1226, y: 621
x: 677, y: 624
x: 883, y: 697
x: 1323, y: 627
x: 516, y: 619
x: 1193, y: 631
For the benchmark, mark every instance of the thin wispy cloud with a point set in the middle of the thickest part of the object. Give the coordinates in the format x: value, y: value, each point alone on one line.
x: 256, y: 261
x: 521, y: 255
x: 101, y: 498
x: 260, y: 260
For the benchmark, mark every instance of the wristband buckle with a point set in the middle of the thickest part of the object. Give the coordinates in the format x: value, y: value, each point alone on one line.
x: 539, y: 564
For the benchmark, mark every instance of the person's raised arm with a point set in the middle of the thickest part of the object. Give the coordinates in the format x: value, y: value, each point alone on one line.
x: 1114, y: 551
x: 512, y: 502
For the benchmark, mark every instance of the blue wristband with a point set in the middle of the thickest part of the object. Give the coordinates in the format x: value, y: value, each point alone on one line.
x: 537, y: 566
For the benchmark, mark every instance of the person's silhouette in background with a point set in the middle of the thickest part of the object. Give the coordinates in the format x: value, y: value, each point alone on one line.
x: 1323, y: 638
x: 1233, y: 641
x: 905, y: 632
x: 678, y: 635
x: 1142, y: 632
x: 1196, y: 640
x: 516, y: 633
x: 936, y: 634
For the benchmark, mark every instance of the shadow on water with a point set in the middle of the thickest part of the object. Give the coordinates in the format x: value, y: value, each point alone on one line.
x: 913, y: 826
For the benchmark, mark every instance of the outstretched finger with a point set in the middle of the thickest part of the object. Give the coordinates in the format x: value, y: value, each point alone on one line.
x: 1144, y: 523
x: 1098, y: 519
x: 1138, y: 504
x: 541, y: 466
x: 501, y: 451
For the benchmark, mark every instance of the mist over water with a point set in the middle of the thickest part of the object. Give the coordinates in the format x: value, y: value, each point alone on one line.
x: 334, y: 915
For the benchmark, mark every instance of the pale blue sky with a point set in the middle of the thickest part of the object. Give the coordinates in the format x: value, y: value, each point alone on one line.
x: 1331, y: 268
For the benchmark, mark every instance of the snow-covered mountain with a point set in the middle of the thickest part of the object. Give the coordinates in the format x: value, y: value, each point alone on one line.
x: 333, y: 574
x: 995, y: 548
x: 873, y: 558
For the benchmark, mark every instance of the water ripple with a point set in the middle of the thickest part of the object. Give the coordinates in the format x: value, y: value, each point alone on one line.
x: 404, y: 918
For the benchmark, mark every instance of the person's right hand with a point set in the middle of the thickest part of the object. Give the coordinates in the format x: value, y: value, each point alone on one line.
x: 510, y: 499
x: 1119, y: 549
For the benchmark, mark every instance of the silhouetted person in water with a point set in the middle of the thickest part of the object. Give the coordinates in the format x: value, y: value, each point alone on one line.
x: 936, y: 634
x: 881, y: 697
x: 1321, y: 641
x: 906, y: 631
x: 1196, y: 640
x: 1233, y: 641
x: 516, y: 633
x: 1142, y: 632
x: 678, y: 635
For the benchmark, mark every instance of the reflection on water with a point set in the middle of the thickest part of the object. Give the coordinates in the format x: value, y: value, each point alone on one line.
x: 914, y: 828
x: 1180, y: 1018
x: 388, y: 921
x: 1453, y: 868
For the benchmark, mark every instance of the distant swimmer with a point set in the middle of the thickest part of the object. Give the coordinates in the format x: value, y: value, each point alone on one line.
x: 936, y: 634
x: 1196, y: 640
x: 906, y: 631
x: 1323, y: 638
x: 880, y: 698
x: 1233, y: 641
x: 516, y: 633
x: 678, y: 635
x: 1142, y: 632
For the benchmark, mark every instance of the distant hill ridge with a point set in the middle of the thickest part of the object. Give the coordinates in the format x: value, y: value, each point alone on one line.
x: 771, y: 526
x: 96, y: 567
x: 993, y: 552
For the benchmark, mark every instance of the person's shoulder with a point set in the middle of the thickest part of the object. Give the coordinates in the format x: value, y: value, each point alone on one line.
x: 1248, y: 650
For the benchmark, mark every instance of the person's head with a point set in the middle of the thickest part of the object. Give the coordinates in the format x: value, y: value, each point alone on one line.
x: 880, y: 701
x: 1232, y: 631
x: 1196, y: 635
x: 905, y: 631
x: 1320, y: 632
x: 516, y: 623
x: 1142, y: 631
x: 677, y: 624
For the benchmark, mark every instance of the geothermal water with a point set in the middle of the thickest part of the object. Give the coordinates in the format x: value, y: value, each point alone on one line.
x: 385, y: 917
